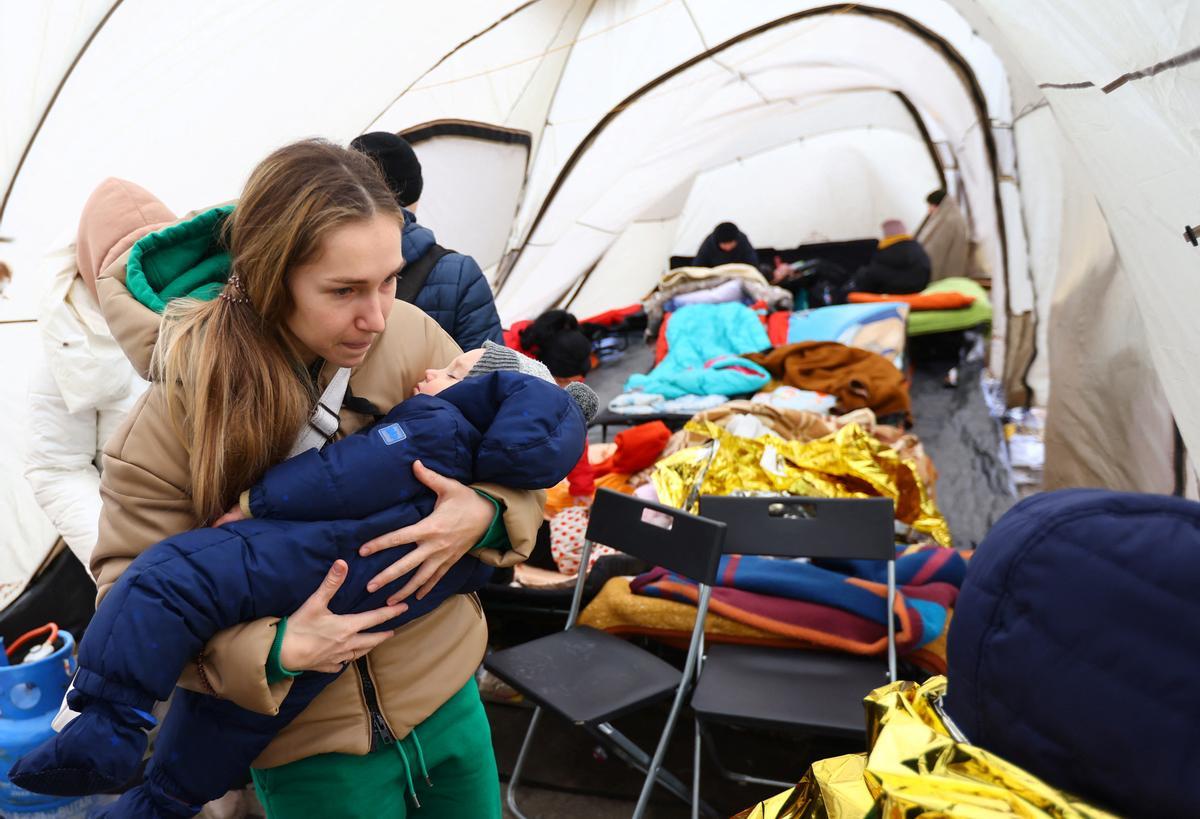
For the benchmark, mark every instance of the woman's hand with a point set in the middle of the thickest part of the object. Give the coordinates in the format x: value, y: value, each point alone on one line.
x: 319, y: 640
x: 460, y: 518
x: 234, y: 514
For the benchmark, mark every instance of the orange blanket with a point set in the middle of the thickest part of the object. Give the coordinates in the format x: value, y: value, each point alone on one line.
x: 918, y: 301
x: 859, y: 378
x: 618, y: 610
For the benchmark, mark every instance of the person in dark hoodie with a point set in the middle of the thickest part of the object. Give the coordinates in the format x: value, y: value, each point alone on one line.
x: 555, y: 339
x: 900, y: 265
x: 447, y: 285
x: 725, y: 245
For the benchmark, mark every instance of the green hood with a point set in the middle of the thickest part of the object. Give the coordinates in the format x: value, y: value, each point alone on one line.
x: 185, y: 260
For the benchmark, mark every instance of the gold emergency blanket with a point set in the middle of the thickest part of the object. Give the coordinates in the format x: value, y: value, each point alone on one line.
x: 916, y: 769
x: 850, y: 463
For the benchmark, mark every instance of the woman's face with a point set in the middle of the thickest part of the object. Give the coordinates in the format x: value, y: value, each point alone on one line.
x: 342, y: 296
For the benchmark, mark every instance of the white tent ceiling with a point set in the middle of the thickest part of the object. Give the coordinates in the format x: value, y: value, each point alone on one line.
x: 632, y: 107
x: 746, y: 97
x: 185, y: 99
x: 781, y: 197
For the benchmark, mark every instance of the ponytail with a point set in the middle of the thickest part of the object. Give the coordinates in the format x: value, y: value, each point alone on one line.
x: 246, y: 408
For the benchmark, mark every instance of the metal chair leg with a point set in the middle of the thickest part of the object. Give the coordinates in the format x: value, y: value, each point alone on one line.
x: 734, y: 776
x: 684, y: 689
x: 701, y: 657
x: 891, y: 620
x: 635, y: 757
x: 661, y: 751
x: 511, y: 792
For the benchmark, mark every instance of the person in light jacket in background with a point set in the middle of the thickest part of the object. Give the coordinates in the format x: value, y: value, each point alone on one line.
x: 945, y: 237
x: 84, y: 385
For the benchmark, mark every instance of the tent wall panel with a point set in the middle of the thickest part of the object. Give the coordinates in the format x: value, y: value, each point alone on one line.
x: 529, y: 296
x: 40, y: 44
x: 1132, y: 125
x: 506, y: 76
x: 493, y: 172
x: 1108, y: 423
x: 185, y: 100
x: 1019, y: 302
x: 1042, y: 192
x: 831, y: 187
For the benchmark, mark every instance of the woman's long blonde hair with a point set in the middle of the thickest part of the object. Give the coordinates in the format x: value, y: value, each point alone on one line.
x: 238, y: 391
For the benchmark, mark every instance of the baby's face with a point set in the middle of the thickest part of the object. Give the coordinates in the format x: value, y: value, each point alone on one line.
x: 437, y: 380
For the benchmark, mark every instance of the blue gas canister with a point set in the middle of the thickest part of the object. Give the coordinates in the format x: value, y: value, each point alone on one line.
x: 29, y: 697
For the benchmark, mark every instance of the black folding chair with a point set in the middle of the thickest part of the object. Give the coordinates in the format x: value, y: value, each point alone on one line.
x: 753, y: 686
x: 590, y: 677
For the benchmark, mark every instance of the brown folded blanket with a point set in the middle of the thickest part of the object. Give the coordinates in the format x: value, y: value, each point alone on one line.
x: 858, y: 378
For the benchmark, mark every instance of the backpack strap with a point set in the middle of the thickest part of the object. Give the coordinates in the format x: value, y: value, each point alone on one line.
x: 323, y: 424
x: 414, y: 274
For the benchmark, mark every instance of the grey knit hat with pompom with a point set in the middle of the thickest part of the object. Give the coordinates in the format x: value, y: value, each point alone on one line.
x: 497, y: 358
x: 585, y: 397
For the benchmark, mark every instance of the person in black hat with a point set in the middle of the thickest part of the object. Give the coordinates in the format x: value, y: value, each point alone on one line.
x: 725, y: 245
x: 449, y: 286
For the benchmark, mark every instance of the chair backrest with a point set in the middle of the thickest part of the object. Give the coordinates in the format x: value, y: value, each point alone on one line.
x: 832, y: 528
x: 787, y: 526
x: 662, y: 535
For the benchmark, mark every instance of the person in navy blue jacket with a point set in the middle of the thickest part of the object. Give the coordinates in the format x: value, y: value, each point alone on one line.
x: 491, y: 415
x: 455, y: 294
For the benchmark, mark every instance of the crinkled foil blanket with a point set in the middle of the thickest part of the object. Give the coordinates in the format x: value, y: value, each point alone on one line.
x: 916, y: 769
x: 847, y: 464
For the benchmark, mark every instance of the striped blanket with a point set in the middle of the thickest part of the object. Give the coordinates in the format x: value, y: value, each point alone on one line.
x: 834, y: 604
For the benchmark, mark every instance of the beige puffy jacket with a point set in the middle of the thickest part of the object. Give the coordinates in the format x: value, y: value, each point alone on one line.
x: 145, y: 489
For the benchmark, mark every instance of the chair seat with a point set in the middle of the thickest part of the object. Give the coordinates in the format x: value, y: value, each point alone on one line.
x: 774, y: 687
x: 585, y: 675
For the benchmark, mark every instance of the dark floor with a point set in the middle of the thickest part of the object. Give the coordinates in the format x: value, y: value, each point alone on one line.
x: 544, y: 802
x: 609, y: 380
x: 567, y: 774
x: 975, y: 485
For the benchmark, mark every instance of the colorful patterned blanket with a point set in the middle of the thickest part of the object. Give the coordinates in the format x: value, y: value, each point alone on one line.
x: 832, y: 604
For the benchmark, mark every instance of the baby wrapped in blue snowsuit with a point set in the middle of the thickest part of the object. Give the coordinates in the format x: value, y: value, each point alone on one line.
x: 498, y: 426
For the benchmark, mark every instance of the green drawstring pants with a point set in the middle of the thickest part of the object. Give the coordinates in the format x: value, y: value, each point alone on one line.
x: 443, y: 768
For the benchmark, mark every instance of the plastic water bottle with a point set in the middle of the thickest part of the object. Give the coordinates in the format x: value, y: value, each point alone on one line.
x: 29, y: 698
